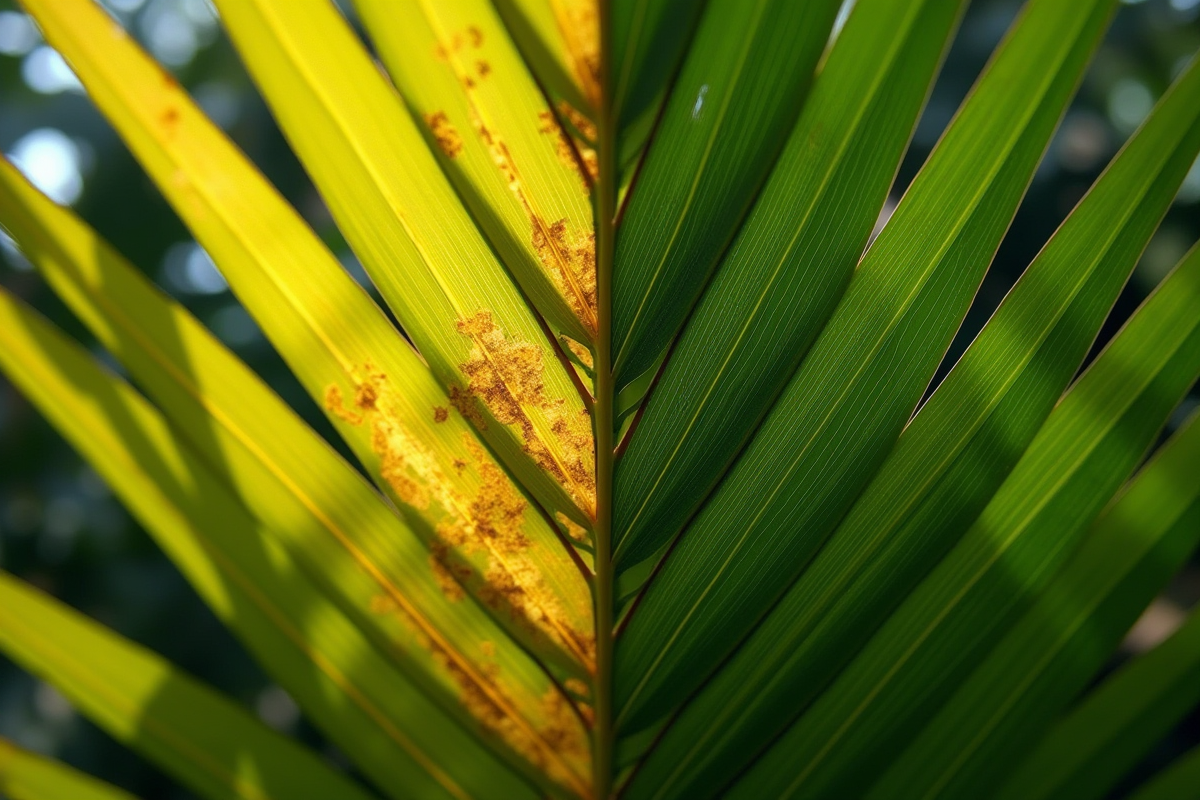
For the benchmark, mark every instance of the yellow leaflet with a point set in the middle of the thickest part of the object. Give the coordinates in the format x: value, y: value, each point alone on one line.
x: 397, y: 209
x: 332, y: 335
x: 501, y: 145
x: 535, y: 26
x: 27, y: 776
x: 235, y: 561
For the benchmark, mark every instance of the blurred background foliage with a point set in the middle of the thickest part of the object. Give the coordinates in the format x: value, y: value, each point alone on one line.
x: 61, y: 529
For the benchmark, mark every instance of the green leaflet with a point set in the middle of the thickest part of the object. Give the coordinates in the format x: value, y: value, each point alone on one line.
x: 1088, y: 446
x: 649, y: 40
x: 949, y: 461
x: 28, y: 776
x: 387, y: 724
x: 1115, y: 726
x: 1001, y: 711
x: 846, y: 405
x: 1177, y: 782
x: 785, y: 271
x: 198, y: 735
x: 741, y: 86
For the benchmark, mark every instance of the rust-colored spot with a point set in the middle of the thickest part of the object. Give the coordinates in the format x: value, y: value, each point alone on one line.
x: 561, y: 729
x: 570, y: 258
x: 483, y: 68
x: 445, y: 579
x: 476, y: 37
x: 444, y: 133
x: 577, y: 687
x: 586, y: 128
x: 581, y: 353
x: 440, y: 414
x: 506, y: 376
x: 574, y: 531
x: 464, y: 402
x: 579, y: 23
x: 405, y: 463
x: 573, y: 157
x: 460, y: 464
x: 170, y: 118
x: 336, y: 405
x: 591, y: 163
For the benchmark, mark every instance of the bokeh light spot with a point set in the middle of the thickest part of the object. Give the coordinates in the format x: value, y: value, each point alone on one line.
x: 52, y: 162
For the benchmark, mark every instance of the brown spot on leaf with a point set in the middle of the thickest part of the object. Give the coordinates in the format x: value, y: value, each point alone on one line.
x: 336, y: 405
x: 445, y: 579
x: 483, y: 68
x: 570, y: 156
x: 464, y: 402
x: 444, y: 133
x: 476, y: 37
x: 506, y: 375
x: 570, y: 258
x: 581, y: 352
x: 586, y: 128
x: 579, y: 23
x: 574, y: 531
x: 440, y: 414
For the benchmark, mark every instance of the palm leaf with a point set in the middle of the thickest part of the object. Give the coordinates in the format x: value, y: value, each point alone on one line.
x: 250, y: 581
x: 215, y: 747
x: 1116, y: 724
x: 945, y: 466
x: 28, y: 776
x: 645, y: 501
x: 835, y: 421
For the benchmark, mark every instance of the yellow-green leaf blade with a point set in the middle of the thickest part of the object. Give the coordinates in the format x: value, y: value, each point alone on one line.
x: 501, y: 146
x: 388, y: 724
x: 561, y: 41
x: 191, y: 731
x: 312, y: 501
x: 28, y: 776
x: 418, y: 243
x: 338, y: 342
